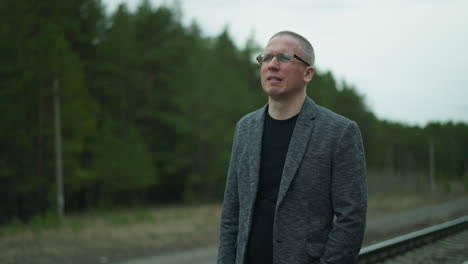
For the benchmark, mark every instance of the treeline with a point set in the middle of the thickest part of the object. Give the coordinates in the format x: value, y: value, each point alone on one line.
x: 148, y: 109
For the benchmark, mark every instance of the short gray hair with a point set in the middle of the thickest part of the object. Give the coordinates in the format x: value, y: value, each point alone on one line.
x: 304, y: 44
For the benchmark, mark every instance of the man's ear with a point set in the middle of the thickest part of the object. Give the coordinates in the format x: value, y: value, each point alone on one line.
x: 309, y: 74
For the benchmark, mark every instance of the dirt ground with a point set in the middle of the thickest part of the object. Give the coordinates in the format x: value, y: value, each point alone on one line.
x: 120, y: 236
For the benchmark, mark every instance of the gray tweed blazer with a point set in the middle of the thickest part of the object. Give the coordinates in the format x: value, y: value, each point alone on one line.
x: 321, y: 209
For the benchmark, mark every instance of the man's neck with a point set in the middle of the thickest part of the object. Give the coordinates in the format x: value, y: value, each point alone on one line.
x: 285, y: 108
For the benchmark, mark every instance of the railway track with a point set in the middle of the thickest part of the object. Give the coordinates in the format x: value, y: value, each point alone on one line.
x: 443, y: 243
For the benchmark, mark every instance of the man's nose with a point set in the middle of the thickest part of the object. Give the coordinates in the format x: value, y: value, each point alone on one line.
x: 274, y: 63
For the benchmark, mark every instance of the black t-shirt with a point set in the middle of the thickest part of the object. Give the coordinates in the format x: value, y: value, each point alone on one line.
x: 275, y: 143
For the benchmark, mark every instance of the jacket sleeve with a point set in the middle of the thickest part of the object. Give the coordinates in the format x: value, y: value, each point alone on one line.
x: 230, y: 212
x: 348, y: 197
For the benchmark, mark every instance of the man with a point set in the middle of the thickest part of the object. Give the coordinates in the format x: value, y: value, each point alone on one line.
x: 295, y: 166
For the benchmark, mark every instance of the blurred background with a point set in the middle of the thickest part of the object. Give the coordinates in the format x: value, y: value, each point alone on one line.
x: 117, y: 121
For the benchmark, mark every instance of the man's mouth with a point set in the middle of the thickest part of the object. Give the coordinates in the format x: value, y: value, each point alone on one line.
x: 274, y: 78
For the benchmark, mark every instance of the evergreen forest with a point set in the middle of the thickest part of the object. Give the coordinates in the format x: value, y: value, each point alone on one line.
x: 147, y: 108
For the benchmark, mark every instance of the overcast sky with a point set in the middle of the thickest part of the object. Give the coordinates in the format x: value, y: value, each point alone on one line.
x: 409, y: 58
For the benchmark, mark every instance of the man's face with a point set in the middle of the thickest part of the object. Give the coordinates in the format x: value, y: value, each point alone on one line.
x: 284, y: 79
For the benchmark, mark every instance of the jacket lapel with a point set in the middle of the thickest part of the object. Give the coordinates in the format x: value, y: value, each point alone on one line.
x: 297, y: 146
x: 255, y: 152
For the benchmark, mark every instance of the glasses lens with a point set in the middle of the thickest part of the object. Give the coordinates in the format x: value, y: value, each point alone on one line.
x: 264, y: 58
x: 284, y: 57
x: 267, y: 57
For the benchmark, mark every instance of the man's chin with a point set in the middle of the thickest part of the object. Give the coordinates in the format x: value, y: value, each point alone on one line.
x: 281, y: 95
x: 274, y: 91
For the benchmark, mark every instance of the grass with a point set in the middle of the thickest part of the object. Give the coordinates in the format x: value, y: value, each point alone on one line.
x: 122, y: 234
x: 109, y: 218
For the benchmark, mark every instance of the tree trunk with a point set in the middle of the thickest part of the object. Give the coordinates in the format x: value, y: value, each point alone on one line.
x: 58, y: 151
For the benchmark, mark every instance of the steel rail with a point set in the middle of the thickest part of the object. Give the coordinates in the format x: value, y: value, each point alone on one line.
x: 389, y: 248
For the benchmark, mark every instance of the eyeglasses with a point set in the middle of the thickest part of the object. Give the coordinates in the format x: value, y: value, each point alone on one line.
x: 283, y: 57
